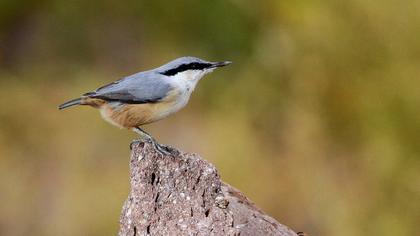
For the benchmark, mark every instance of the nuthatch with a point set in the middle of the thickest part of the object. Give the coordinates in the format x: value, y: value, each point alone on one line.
x: 148, y: 96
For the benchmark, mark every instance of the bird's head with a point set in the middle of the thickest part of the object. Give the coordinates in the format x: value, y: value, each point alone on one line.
x: 190, y: 68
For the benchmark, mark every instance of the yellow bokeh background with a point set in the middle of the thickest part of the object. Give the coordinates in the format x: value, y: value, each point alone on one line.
x: 317, y: 120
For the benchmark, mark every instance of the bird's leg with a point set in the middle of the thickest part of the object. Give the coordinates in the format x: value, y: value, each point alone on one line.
x: 145, y: 136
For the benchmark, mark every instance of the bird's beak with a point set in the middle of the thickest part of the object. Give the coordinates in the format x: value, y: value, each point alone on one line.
x: 220, y: 64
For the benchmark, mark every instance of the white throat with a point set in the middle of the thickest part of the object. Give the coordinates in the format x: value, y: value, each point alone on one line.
x: 183, y: 85
x: 188, y: 79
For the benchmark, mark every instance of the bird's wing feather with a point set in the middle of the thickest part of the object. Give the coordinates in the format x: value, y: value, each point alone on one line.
x: 138, y: 88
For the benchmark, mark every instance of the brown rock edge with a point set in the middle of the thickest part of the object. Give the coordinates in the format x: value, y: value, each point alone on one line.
x: 182, y: 194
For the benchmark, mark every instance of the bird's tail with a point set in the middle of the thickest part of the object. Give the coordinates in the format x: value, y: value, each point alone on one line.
x: 70, y: 103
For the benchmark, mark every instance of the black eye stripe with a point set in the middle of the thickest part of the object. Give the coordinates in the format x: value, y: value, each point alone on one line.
x: 184, y: 67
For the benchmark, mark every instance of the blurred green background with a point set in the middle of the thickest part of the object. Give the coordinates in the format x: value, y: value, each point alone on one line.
x: 317, y: 120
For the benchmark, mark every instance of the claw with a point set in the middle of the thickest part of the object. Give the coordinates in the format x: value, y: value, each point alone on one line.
x: 134, y: 142
x: 147, y: 137
x: 162, y: 149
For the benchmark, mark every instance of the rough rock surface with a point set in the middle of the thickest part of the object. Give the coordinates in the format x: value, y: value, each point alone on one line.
x: 182, y: 194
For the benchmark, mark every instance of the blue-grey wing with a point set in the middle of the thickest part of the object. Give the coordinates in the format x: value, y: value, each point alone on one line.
x: 143, y: 87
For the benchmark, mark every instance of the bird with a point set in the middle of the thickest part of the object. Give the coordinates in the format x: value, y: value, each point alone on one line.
x: 148, y: 96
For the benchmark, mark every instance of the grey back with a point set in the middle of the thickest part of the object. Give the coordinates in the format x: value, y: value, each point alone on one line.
x: 143, y: 87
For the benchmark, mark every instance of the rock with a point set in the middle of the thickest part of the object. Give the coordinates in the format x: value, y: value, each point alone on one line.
x: 182, y: 194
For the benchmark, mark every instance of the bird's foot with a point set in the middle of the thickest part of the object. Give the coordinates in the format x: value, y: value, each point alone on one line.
x: 164, y: 150
x: 144, y: 136
x: 134, y: 142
